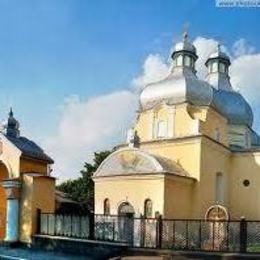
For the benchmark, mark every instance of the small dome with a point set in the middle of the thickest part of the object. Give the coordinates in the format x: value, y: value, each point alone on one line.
x: 233, y: 106
x: 135, y: 161
x: 218, y: 54
x: 12, y: 125
x: 184, y: 45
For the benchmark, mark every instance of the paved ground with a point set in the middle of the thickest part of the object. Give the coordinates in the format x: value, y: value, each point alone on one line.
x: 25, y: 254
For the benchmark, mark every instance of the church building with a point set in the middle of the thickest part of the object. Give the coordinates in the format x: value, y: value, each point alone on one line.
x: 192, y: 152
x: 26, y: 186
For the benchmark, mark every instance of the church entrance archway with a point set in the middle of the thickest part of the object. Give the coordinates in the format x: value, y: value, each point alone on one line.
x: 126, y: 222
x: 3, y: 176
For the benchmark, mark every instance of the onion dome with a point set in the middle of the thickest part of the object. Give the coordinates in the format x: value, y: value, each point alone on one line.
x: 229, y: 103
x: 182, y: 84
x: 234, y: 107
x: 184, y: 46
x: 13, y: 125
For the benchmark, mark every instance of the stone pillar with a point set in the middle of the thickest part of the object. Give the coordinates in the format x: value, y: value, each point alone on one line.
x: 12, y: 188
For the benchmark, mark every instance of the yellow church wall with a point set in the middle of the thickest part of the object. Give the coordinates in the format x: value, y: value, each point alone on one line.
x: 143, y: 125
x: 10, y: 156
x: 186, y: 152
x: 188, y: 120
x: 26, y: 209
x: 214, y: 121
x: 179, y: 122
x: 28, y: 166
x: 244, y: 200
x: 214, y: 159
x: 38, y: 192
x: 133, y: 189
x: 178, y: 197
x: 43, y: 197
x: 184, y: 124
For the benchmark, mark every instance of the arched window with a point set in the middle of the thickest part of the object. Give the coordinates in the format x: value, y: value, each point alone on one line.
x: 106, y: 207
x: 219, y: 188
x: 148, y: 208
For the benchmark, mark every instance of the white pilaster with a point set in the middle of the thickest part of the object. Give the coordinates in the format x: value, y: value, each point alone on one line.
x: 12, y: 210
x: 171, y: 121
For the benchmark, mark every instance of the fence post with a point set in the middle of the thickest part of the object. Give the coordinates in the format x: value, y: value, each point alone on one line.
x: 142, y: 231
x: 159, y: 230
x: 38, y: 221
x: 92, y: 226
x: 243, y: 235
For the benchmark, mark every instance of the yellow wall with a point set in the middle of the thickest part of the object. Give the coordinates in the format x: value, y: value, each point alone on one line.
x: 178, y: 197
x: 244, y: 200
x: 33, y: 166
x: 26, y: 201
x: 214, y: 159
x: 132, y: 189
x: 38, y: 192
x: 188, y: 120
x: 10, y: 156
x: 185, y: 152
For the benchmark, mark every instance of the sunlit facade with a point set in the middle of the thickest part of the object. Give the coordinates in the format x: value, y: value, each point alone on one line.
x: 26, y: 187
x: 192, y: 149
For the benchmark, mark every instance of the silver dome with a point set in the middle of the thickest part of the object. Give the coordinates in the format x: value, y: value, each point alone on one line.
x: 184, y: 45
x: 180, y: 86
x: 233, y: 106
x: 218, y: 54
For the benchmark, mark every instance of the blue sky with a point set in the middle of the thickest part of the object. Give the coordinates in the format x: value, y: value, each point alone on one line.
x: 51, y: 49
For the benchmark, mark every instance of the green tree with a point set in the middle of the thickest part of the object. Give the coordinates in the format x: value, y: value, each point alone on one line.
x: 82, y: 188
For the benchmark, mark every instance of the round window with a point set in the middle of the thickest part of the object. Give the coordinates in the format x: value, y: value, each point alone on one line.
x: 246, y: 183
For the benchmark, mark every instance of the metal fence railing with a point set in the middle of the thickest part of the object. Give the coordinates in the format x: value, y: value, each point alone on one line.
x: 178, y: 234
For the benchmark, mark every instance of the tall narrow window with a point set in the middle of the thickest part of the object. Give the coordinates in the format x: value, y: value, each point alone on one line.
x: 222, y: 67
x: 214, y: 67
x: 162, y: 129
x: 179, y: 60
x: 148, y: 208
x: 106, y: 207
x: 219, y: 188
x: 187, y: 61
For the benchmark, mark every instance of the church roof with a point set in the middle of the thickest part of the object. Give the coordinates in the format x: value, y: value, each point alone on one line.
x: 132, y: 161
x: 29, y: 148
x: 26, y: 146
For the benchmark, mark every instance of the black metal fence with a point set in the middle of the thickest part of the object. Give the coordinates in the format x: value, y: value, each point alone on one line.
x: 177, y: 234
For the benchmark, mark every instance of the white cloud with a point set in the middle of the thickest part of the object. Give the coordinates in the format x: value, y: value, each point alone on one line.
x: 241, y: 48
x: 204, y: 48
x: 154, y: 69
x: 90, y: 125
x: 245, y: 77
x: 87, y: 126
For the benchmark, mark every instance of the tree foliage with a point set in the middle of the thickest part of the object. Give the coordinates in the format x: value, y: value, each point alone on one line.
x: 82, y: 188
